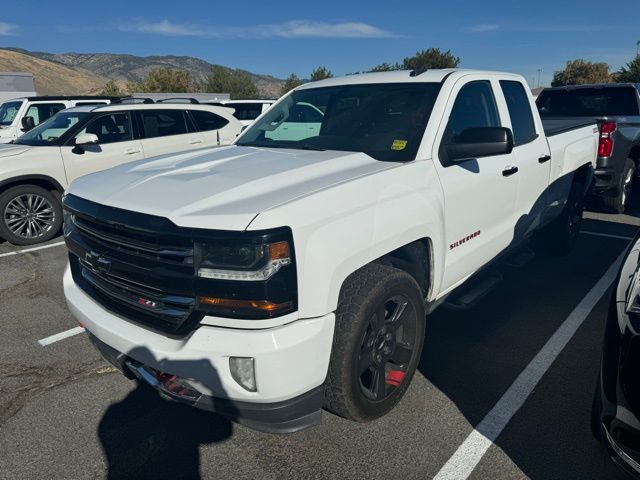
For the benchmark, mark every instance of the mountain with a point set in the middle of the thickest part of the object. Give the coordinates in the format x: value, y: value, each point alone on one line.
x: 51, y: 78
x: 126, y: 68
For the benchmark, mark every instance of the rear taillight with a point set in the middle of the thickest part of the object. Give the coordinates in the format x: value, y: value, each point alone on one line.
x: 605, y: 147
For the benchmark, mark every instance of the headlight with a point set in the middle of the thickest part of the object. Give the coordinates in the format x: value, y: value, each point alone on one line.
x: 246, y: 275
x: 242, y: 261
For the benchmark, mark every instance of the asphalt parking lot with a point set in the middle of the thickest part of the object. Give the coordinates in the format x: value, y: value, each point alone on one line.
x: 66, y: 414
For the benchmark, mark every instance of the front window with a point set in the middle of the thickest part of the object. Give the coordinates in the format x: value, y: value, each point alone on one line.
x: 8, y: 111
x: 385, y: 121
x: 50, y: 131
x: 110, y: 128
x: 43, y: 111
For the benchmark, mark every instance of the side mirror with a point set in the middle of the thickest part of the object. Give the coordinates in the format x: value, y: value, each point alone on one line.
x: 28, y: 123
x: 480, y: 142
x: 84, y: 140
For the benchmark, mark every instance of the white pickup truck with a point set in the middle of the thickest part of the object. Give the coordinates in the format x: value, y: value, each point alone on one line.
x: 273, y: 277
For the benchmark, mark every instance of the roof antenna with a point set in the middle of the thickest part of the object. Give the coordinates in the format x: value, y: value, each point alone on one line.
x: 417, y: 71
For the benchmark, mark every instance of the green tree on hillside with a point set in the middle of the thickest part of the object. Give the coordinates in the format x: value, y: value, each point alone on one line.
x: 321, y: 73
x: 580, y: 72
x: 290, y: 83
x: 164, y: 80
x: 111, y: 89
x: 631, y: 72
x: 237, y: 83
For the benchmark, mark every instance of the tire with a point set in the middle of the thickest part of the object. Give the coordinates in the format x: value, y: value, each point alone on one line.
x: 561, y: 235
x: 619, y: 203
x: 369, y: 344
x: 29, y: 214
x: 596, y: 408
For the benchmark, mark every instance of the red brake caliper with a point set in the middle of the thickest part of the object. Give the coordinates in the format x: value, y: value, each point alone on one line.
x: 394, y: 377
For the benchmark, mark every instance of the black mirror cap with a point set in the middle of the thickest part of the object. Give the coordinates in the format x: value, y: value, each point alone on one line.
x: 28, y: 123
x: 480, y: 142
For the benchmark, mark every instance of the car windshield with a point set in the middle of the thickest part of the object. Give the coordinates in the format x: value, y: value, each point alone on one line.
x: 49, y: 131
x: 385, y: 121
x: 588, y: 102
x: 8, y: 111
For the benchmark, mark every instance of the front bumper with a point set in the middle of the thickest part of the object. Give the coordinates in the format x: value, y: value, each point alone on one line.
x: 291, y: 361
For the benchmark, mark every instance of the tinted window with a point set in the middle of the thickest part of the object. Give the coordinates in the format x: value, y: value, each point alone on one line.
x: 475, y: 106
x: 246, y: 111
x: 588, y: 102
x: 304, y: 113
x: 162, y: 123
x: 208, y: 121
x: 112, y: 128
x: 385, y: 121
x: 43, y: 111
x: 520, y: 112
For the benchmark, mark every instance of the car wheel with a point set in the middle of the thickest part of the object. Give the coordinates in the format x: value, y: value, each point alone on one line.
x: 378, y: 339
x: 619, y: 203
x: 29, y: 214
x: 560, y: 236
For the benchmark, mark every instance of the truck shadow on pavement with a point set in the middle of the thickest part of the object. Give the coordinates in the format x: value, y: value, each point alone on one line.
x: 147, y: 437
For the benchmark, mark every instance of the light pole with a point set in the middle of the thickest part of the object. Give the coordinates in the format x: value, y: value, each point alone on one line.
x: 637, y: 48
x: 539, y: 75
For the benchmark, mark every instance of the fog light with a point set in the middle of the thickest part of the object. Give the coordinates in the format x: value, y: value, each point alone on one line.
x: 243, y: 371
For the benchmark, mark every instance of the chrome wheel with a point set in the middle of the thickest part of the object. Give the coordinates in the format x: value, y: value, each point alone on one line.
x: 29, y: 216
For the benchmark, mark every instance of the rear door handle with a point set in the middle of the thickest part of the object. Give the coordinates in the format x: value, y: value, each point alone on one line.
x: 544, y: 158
x: 131, y: 151
x: 509, y: 170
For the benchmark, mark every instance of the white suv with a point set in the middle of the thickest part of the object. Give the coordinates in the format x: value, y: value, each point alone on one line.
x: 37, y: 167
x: 22, y: 114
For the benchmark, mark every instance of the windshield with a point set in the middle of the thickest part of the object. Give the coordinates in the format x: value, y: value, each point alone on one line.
x: 8, y: 111
x: 588, y: 102
x: 385, y: 121
x: 49, y: 131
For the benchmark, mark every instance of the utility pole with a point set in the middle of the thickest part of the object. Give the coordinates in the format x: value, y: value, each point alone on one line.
x: 539, y: 75
x: 637, y: 48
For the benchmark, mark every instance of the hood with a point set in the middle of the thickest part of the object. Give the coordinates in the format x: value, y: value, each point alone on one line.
x: 222, y: 188
x: 9, y: 149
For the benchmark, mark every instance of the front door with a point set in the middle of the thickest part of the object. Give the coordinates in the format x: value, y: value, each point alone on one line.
x: 116, y: 145
x: 479, y: 193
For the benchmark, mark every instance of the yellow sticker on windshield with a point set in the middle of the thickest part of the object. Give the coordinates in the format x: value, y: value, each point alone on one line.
x: 398, y: 144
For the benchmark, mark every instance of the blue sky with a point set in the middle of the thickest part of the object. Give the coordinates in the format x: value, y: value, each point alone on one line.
x: 282, y: 37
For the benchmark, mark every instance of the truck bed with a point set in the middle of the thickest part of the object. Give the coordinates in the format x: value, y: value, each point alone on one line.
x: 555, y: 126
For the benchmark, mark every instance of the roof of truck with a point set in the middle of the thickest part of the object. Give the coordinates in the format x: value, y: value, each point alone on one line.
x: 398, y: 76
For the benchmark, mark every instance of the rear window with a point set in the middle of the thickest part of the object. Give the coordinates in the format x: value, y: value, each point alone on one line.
x: 206, y: 121
x: 524, y: 129
x: 246, y: 111
x: 588, y: 102
x: 163, y: 123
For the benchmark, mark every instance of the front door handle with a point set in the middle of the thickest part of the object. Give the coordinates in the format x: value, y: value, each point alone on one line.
x: 509, y: 170
x: 544, y: 158
x: 195, y: 141
x: 131, y: 151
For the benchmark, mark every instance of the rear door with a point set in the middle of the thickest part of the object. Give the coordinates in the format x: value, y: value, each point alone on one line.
x: 117, y: 145
x: 168, y: 131
x: 479, y: 193
x: 531, y: 156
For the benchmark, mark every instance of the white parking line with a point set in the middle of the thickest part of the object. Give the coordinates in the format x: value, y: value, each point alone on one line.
x: 32, y: 249
x: 608, y: 235
x: 469, y: 454
x: 60, y: 336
